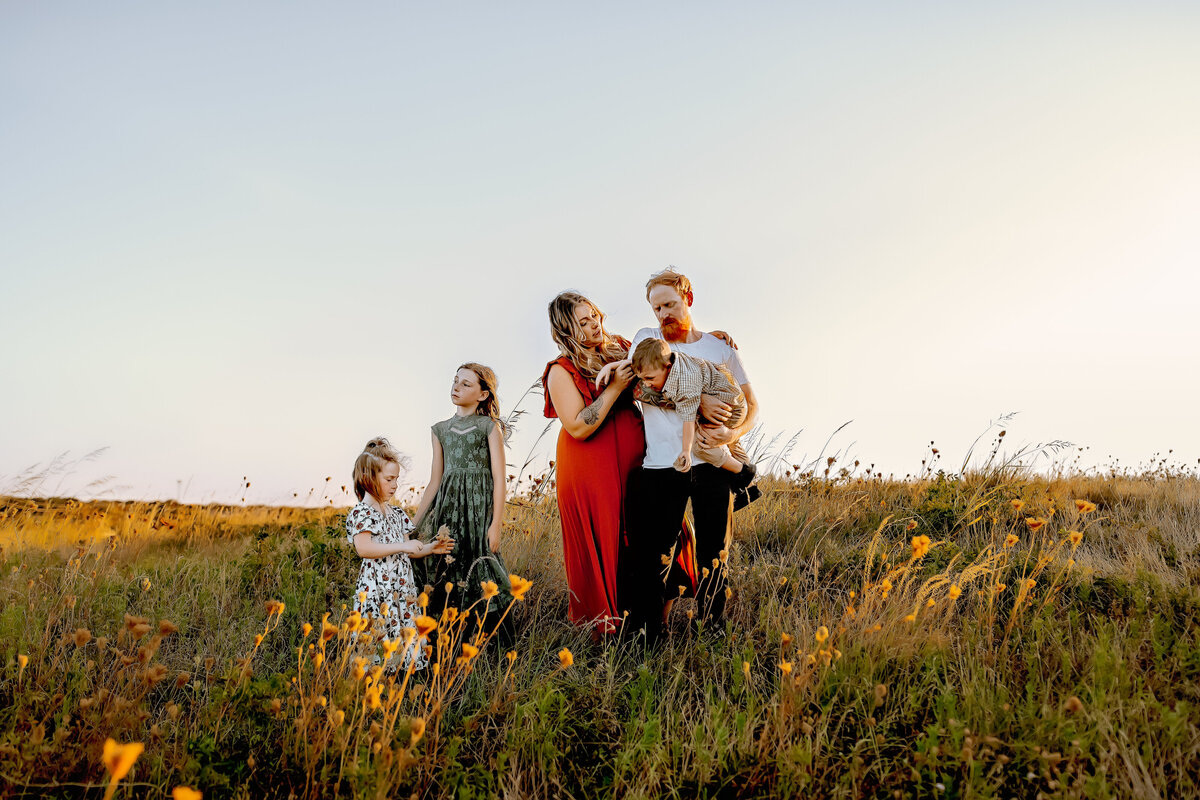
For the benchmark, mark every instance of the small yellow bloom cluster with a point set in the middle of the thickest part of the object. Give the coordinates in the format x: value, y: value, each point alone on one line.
x: 920, y: 546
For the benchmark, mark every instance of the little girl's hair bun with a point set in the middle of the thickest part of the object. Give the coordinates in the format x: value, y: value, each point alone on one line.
x: 370, y: 462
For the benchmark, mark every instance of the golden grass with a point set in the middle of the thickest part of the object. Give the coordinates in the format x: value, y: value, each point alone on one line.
x: 883, y: 637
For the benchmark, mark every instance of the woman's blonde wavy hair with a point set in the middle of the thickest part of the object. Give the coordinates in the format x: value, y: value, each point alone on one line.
x: 569, y: 336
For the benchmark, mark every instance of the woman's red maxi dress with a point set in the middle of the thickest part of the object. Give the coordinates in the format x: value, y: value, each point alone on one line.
x: 591, y: 480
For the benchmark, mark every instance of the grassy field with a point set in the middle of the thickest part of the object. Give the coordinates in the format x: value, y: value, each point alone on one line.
x: 1031, y: 646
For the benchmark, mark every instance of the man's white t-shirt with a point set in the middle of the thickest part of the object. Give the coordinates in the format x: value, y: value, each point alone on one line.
x: 664, y: 430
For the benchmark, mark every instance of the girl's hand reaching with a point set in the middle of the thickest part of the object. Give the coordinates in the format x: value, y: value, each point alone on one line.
x: 494, y: 537
x: 440, y: 547
x: 683, y: 463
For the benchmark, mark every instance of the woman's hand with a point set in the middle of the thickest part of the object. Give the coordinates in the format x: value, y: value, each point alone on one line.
x: 494, y: 537
x: 724, y: 337
x: 683, y: 463
x: 714, y: 437
x: 623, y: 375
x: 714, y: 410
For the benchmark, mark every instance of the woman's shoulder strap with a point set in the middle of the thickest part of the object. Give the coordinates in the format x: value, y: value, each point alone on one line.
x: 581, y: 383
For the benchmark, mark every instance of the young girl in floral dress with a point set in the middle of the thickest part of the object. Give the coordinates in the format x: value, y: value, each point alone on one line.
x: 379, y: 533
x: 466, y: 494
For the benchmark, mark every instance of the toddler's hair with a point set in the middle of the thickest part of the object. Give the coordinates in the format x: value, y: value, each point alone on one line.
x: 488, y: 382
x: 669, y: 277
x: 651, y: 354
x: 370, y: 462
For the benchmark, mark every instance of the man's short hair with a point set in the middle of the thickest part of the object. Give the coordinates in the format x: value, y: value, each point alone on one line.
x: 669, y: 277
x: 651, y: 354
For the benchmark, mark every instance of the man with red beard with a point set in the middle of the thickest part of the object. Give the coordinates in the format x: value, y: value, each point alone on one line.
x: 658, y: 493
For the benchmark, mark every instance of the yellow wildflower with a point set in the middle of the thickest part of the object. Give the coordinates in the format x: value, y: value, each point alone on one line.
x: 425, y: 625
x: 423, y: 601
x: 1011, y: 539
x: 470, y: 650
x: 822, y: 634
x: 306, y: 629
x: 785, y: 639
x: 519, y: 586
x: 920, y: 546
x: 416, y: 729
x: 746, y: 668
x: 955, y: 592
x: 565, y: 659
x: 785, y: 667
x: 1085, y: 507
x: 1018, y: 505
x: 1035, y: 524
x: 118, y: 760
x: 1075, y: 537
x: 911, y: 618
x: 490, y: 589
x: 185, y: 793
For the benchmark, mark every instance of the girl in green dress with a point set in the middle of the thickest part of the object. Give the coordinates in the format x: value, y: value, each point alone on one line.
x: 466, y: 494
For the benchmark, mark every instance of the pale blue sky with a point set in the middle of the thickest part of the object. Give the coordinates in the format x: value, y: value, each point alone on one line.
x: 241, y: 240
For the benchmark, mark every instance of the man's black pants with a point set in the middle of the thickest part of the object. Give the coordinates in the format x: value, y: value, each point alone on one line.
x: 655, y: 503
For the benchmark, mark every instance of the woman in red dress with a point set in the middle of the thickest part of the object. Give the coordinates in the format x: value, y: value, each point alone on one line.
x: 601, y: 441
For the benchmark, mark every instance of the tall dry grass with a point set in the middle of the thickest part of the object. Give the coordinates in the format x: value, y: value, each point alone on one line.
x: 939, y: 635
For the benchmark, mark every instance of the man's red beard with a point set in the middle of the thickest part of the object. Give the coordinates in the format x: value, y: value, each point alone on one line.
x: 674, y: 330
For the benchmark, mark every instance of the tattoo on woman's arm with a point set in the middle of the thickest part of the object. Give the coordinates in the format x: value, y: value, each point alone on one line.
x: 591, y: 414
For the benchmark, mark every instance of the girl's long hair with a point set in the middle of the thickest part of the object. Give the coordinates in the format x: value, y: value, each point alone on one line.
x: 488, y: 382
x: 569, y: 336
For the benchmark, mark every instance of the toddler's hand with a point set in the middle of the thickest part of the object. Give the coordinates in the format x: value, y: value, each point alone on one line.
x: 683, y: 463
x: 603, y: 375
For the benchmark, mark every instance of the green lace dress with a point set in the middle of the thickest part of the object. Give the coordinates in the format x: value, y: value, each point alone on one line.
x: 464, y: 504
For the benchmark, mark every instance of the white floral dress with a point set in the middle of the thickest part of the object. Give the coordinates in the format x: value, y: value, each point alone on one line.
x: 388, y: 579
